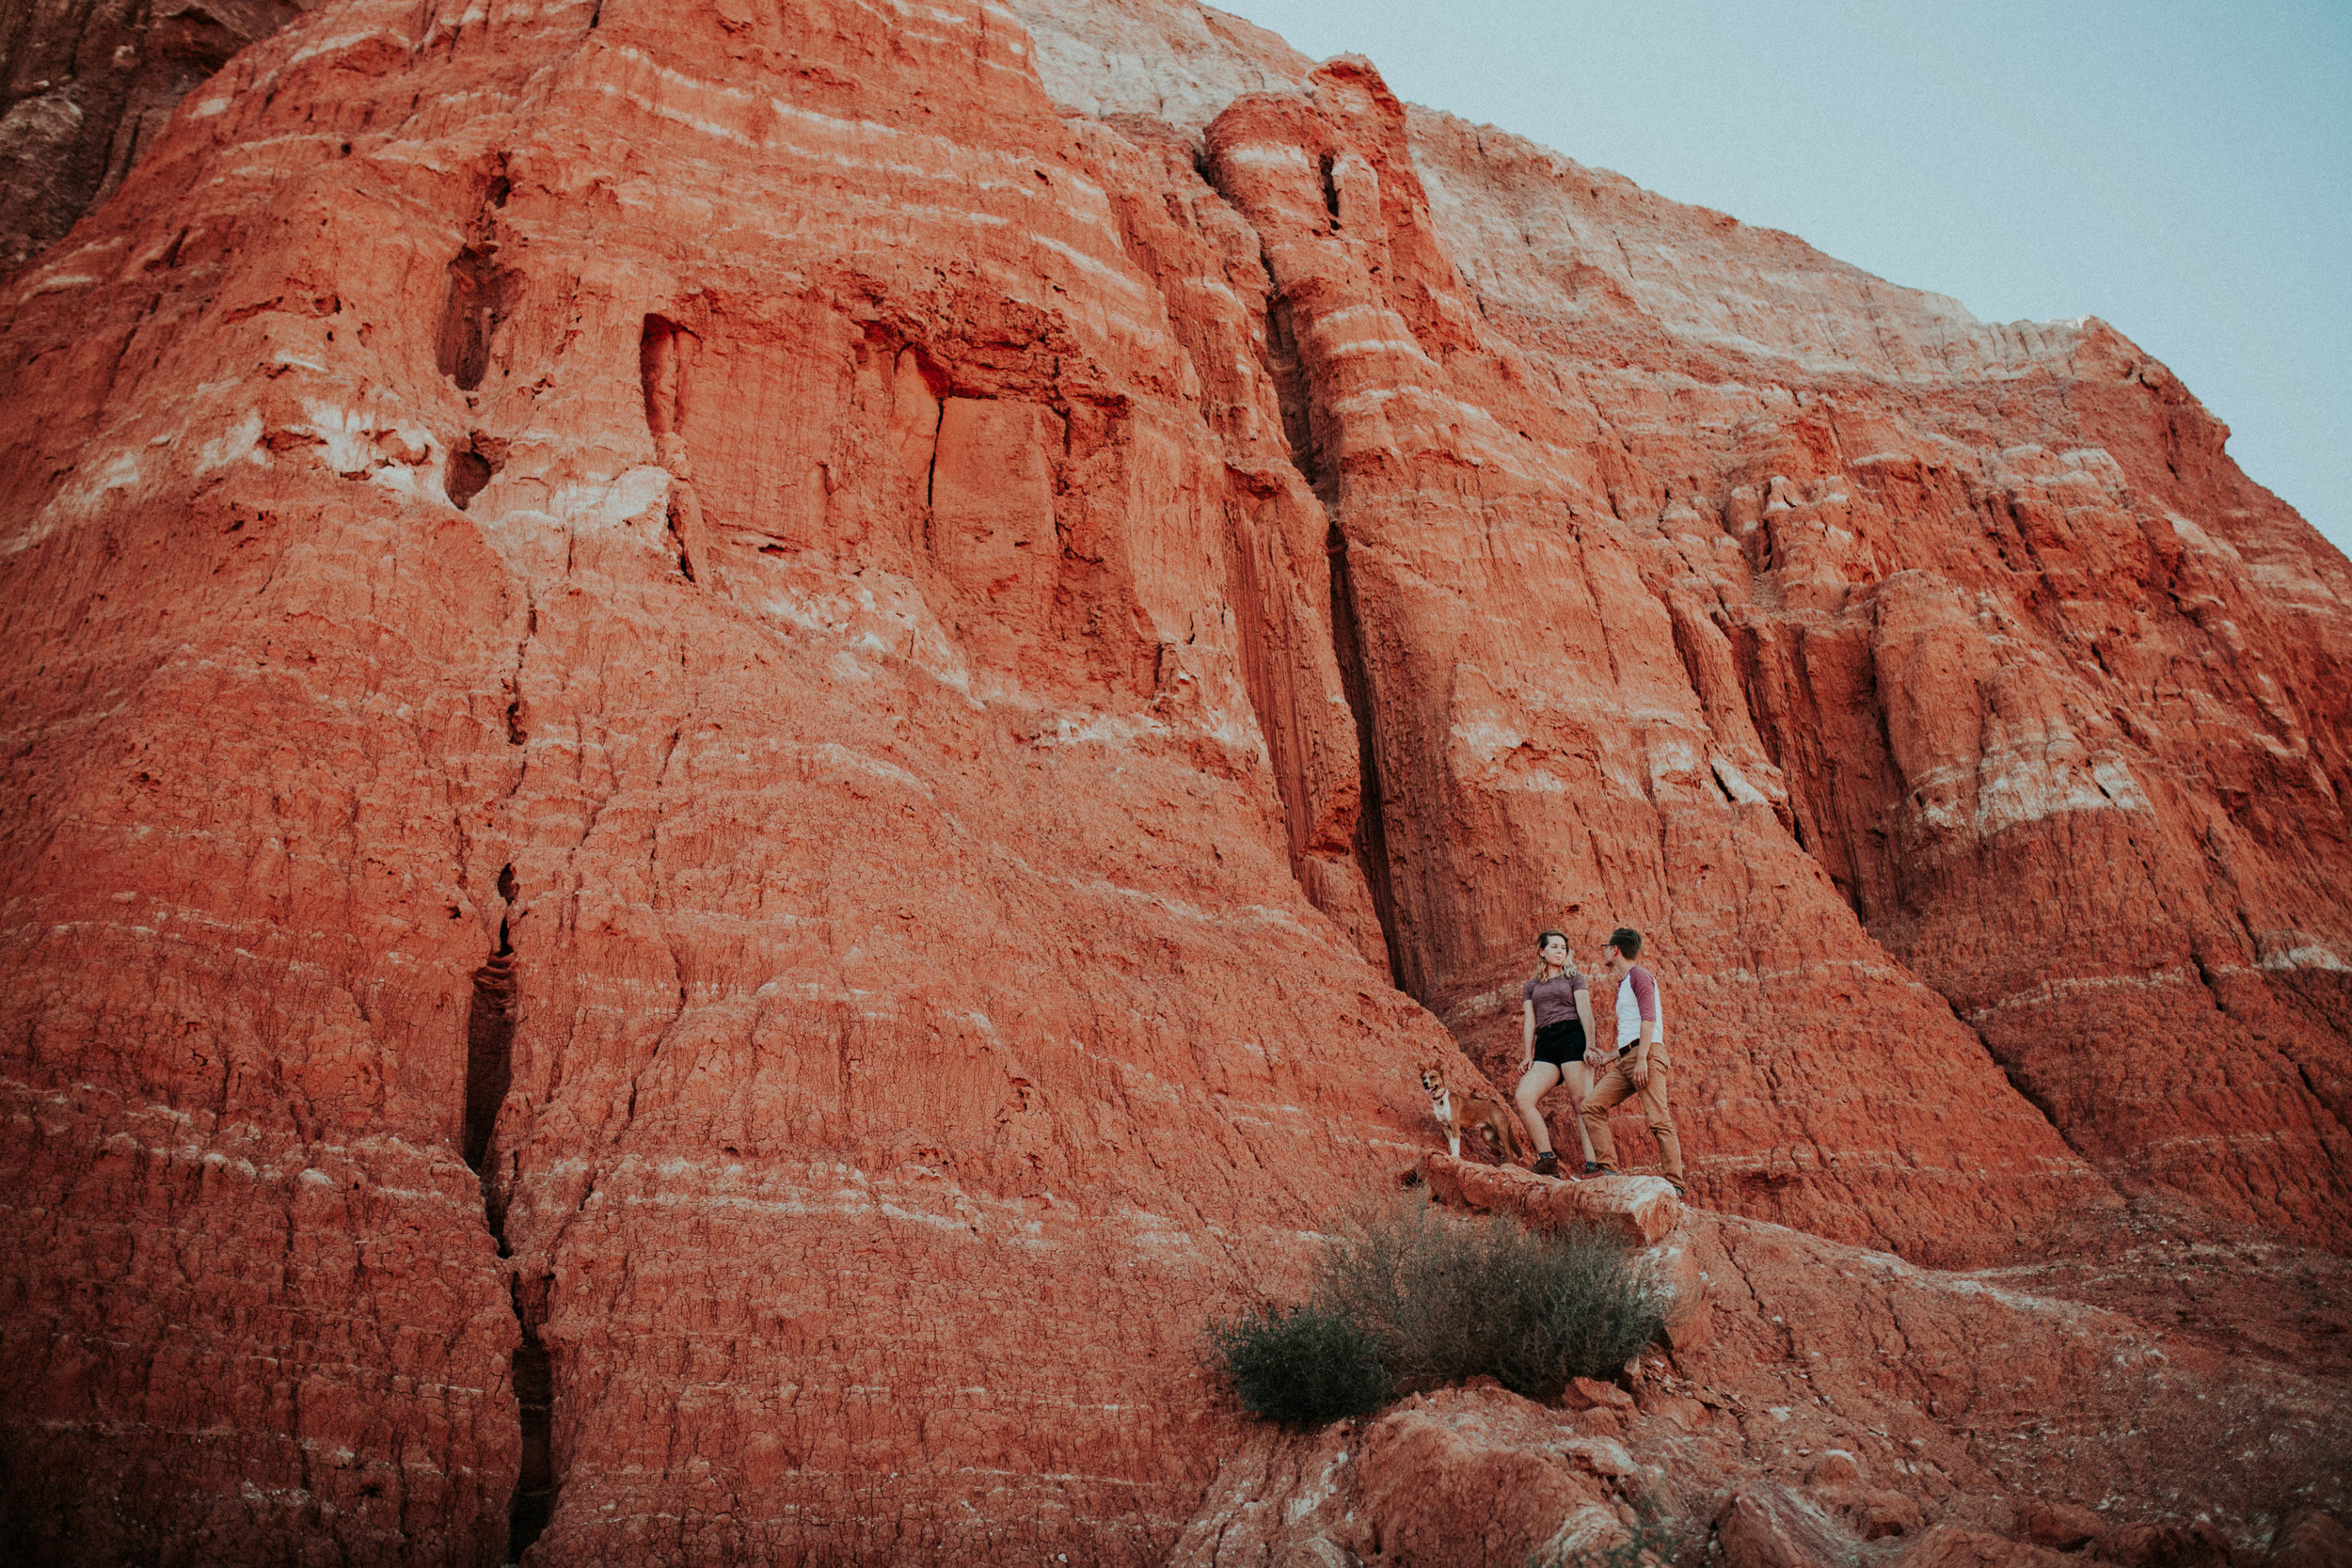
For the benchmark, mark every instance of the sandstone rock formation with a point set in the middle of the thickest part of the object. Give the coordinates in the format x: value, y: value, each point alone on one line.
x: 2056, y: 695
x: 1848, y: 1407
x: 749, y: 740
x: 1938, y: 596
x: 86, y: 88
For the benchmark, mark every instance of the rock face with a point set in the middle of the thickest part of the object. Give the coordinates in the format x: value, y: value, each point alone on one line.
x: 86, y: 88
x: 1851, y: 1407
x: 750, y: 740
x: 2055, y: 694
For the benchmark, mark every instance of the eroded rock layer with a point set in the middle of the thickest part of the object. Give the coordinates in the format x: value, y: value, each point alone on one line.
x: 751, y: 740
x: 2056, y: 696
x: 86, y: 88
x: 1740, y: 540
x: 1831, y: 1405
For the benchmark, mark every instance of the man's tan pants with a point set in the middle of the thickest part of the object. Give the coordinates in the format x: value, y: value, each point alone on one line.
x: 1615, y: 1088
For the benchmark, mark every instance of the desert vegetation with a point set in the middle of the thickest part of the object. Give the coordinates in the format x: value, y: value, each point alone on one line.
x: 1406, y: 1297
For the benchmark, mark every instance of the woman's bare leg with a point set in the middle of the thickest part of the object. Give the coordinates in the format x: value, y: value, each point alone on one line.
x: 1534, y: 1084
x: 1579, y: 1078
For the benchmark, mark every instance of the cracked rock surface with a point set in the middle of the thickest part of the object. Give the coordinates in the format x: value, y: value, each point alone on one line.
x: 1847, y: 1407
x: 747, y: 741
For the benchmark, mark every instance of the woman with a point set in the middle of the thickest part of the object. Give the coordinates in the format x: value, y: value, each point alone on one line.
x: 1555, y: 1022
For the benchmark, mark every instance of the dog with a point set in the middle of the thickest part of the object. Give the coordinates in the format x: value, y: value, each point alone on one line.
x: 1499, y: 1128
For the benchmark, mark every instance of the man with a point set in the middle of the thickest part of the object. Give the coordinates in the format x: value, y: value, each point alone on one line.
x: 1641, y: 1067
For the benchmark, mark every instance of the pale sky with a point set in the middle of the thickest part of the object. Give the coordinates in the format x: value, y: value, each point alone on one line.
x: 2182, y: 171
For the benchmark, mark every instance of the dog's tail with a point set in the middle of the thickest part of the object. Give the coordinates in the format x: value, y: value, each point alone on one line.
x: 1514, y: 1137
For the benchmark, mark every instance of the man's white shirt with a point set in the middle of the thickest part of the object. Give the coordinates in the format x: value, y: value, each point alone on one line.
x: 1629, y: 1012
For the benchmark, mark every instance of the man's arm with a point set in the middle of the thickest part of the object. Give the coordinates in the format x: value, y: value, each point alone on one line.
x: 1653, y: 1030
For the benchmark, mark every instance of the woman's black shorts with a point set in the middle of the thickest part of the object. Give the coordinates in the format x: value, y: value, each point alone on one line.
x: 1561, y: 1043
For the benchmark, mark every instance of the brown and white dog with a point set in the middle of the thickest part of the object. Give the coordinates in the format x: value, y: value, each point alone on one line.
x: 1497, y: 1124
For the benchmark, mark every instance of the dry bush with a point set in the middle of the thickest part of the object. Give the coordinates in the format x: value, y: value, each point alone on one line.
x: 1430, y: 1298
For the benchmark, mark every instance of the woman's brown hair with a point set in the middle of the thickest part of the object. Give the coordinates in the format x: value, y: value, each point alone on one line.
x: 1543, y: 937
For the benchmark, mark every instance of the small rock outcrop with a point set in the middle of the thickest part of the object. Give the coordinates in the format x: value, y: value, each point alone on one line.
x: 1848, y: 1408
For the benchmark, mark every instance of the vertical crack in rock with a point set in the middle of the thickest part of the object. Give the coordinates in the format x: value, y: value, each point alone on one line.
x: 481, y: 294
x: 535, y: 1401
x: 1295, y: 397
x: 489, y: 1073
x: 1275, y: 576
x: 1372, y: 835
x: 917, y: 382
x: 489, y: 1043
x: 1327, y: 358
x: 665, y: 352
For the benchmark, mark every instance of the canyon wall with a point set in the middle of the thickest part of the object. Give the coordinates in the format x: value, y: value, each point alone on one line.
x: 86, y: 88
x: 2051, y: 693
x: 750, y: 740
x: 2055, y: 692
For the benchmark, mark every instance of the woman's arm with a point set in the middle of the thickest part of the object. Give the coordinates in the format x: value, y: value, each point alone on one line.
x: 1584, y: 1016
x: 1527, y: 1033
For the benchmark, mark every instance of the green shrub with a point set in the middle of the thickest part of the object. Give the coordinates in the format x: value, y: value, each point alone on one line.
x: 1447, y: 1298
x: 1428, y: 1298
x: 1302, y: 1368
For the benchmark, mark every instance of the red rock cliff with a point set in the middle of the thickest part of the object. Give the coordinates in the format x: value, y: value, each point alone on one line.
x: 86, y: 88
x: 2051, y: 694
x: 750, y: 741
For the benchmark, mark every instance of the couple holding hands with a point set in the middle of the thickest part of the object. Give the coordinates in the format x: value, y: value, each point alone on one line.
x: 1560, y: 1044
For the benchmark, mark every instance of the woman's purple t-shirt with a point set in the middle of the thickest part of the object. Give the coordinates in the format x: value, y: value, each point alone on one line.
x: 1555, y: 998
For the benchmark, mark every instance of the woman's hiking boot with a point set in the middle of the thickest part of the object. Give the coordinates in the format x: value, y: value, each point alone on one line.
x: 1592, y: 1167
x: 1547, y: 1164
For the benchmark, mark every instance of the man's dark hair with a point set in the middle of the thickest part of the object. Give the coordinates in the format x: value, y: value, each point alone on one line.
x: 1626, y: 940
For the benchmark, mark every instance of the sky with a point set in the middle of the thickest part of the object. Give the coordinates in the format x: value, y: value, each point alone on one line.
x: 2182, y: 171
